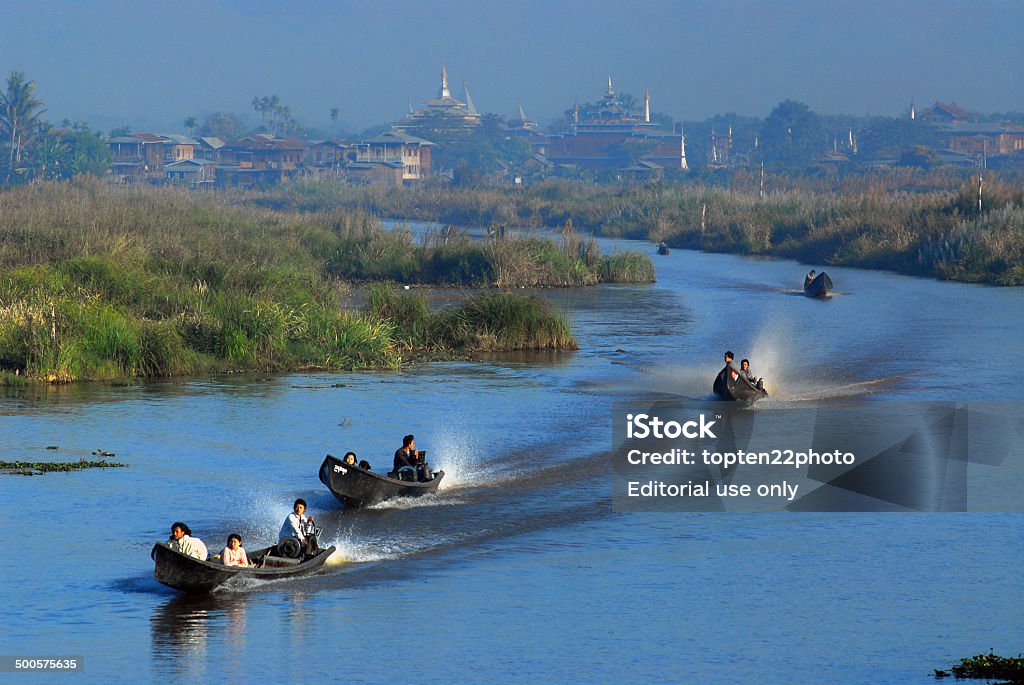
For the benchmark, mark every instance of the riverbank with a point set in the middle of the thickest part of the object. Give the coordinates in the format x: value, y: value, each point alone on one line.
x: 104, y: 283
x: 968, y: 230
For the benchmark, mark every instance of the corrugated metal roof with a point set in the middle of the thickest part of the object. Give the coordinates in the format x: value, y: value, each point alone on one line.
x: 396, y: 138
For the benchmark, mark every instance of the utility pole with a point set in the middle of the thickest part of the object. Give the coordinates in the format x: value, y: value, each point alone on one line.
x: 979, y: 193
x: 761, y: 192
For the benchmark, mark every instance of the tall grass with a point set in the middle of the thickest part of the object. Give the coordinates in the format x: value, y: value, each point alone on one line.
x: 105, y: 283
x: 901, y: 219
x: 500, y: 321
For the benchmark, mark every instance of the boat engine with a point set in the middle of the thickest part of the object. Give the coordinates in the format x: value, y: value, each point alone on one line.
x: 291, y: 548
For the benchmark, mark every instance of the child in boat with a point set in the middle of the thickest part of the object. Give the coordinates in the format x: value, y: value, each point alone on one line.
x: 234, y: 553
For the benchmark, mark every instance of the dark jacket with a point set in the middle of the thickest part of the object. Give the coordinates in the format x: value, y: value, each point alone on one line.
x: 404, y: 457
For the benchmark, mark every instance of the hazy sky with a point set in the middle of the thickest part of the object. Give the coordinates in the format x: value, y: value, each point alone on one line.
x: 159, y: 61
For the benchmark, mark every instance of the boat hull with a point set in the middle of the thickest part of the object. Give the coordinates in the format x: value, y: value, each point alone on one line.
x: 356, y: 487
x: 821, y: 286
x: 191, y: 575
x: 738, y: 390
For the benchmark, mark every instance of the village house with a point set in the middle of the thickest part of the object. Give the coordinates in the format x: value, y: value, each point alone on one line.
x: 194, y: 173
x: 943, y: 113
x: 208, y: 148
x: 392, y: 150
x: 985, y: 139
x: 259, y: 159
x: 139, y: 157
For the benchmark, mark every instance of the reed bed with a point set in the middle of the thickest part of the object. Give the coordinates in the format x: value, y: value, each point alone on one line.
x: 901, y: 220
x: 105, y: 283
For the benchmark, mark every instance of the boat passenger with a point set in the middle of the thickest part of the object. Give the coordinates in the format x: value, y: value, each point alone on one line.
x: 182, y: 541
x: 728, y: 358
x: 297, y: 524
x: 364, y: 465
x: 349, y: 459
x: 809, y: 277
x: 744, y: 371
x: 234, y: 553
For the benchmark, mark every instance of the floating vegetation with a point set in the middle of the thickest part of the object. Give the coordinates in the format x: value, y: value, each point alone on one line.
x: 989, y: 666
x: 32, y: 468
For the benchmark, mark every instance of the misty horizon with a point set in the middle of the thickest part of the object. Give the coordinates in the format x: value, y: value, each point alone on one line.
x: 128, y: 63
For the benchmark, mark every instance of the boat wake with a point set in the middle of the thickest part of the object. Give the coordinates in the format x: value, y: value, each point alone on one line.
x: 432, y: 500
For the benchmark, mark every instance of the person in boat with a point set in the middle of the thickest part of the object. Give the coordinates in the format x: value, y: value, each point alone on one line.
x: 749, y: 375
x: 728, y: 358
x: 182, y: 541
x: 809, y: 277
x: 349, y: 459
x: 364, y: 465
x: 296, y: 525
x: 234, y: 554
x: 407, y: 456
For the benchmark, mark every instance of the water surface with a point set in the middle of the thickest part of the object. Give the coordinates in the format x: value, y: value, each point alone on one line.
x: 518, y: 570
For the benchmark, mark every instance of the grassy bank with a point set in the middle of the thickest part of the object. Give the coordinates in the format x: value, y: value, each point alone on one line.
x: 105, y: 283
x: 935, y: 228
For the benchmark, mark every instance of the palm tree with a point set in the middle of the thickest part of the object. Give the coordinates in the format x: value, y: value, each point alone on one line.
x: 190, y: 124
x: 20, y: 110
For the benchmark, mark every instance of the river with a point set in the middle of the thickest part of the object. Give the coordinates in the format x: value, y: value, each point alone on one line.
x: 518, y: 570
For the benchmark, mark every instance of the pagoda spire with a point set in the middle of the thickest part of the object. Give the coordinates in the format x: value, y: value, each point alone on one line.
x: 682, y: 146
x: 610, y: 90
x: 647, y: 106
x: 444, y: 92
x: 522, y: 114
x: 469, y: 98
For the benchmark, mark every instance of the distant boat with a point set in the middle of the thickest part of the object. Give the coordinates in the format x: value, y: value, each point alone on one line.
x: 663, y: 248
x: 819, y: 286
x: 738, y: 389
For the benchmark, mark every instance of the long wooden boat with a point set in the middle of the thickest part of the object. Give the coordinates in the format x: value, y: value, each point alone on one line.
x: 663, y: 249
x: 357, y: 487
x: 738, y: 390
x: 192, y: 575
x: 821, y: 286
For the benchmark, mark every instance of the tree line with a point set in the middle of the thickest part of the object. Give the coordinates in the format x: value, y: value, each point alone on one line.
x: 34, y: 149
x: 790, y: 140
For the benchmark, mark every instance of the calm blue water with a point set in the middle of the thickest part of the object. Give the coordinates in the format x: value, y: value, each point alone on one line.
x: 518, y: 570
